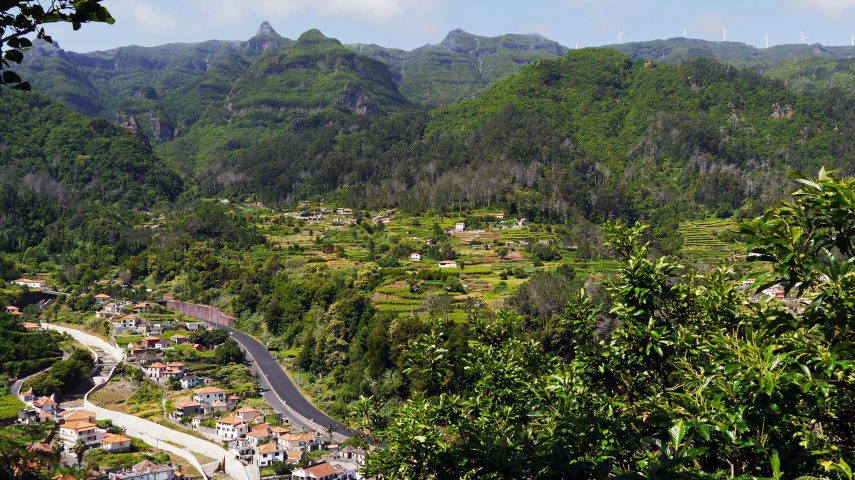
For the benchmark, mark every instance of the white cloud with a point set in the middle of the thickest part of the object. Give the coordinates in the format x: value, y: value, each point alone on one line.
x: 147, y: 17
x: 830, y: 8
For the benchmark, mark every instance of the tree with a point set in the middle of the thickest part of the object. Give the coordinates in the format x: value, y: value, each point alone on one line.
x: 684, y: 376
x: 21, y: 18
x: 79, y: 448
x: 229, y: 352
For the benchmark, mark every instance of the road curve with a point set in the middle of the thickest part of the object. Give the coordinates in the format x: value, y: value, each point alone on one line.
x: 282, y: 385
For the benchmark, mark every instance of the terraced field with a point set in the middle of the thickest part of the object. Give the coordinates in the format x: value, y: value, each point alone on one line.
x: 702, y: 244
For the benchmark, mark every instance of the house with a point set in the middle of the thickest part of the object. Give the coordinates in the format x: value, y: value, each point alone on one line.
x: 416, y: 257
x: 146, y: 328
x: 143, y: 307
x: 13, y: 310
x: 150, y: 342
x: 447, y: 264
x: 300, y: 441
x: 197, y: 347
x: 125, y: 323
x: 28, y: 416
x: 257, y: 437
x: 209, y: 395
x: 268, y: 453
x: 155, y: 371
x: 218, y: 406
x: 296, y: 456
x: 104, y: 315
x: 40, y: 447
x: 27, y: 396
x: 277, y: 432
x: 77, y: 416
x: 459, y: 226
x: 355, y: 455
x: 102, y: 299
x: 196, y: 422
x: 29, y: 282
x: 232, y: 400
x: 249, y: 414
x: 179, y: 339
x: 242, y: 448
x: 115, y: 443
x: 344, y: 211
x: 72, y: 432
x: 193, y: 326
x: 47, y: 405
x: 232, y: 427
x: 188, y: 408
x: 190, y: 381
x: 318, y: 471
x: 499, y: 216
x: 32, y: 327
x: 145, y: 470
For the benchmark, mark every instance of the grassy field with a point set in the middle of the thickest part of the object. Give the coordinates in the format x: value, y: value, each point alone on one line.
x: 9, y: 407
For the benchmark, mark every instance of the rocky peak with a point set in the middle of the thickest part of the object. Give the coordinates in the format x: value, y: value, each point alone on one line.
x: 265, y: 29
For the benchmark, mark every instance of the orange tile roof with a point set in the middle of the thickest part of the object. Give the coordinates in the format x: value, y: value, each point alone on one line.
x: 102, y: 295
x: 320, y: 470
x: 248, y: 410
x: 157, y: 365
x: 231, y: 420
x: 271, y: 447
x: 72, y: 415
x: 111, y: 438
x: 257, y: 434
x: 187, y: 404
x: 210, y: 390
x: 79, y: 426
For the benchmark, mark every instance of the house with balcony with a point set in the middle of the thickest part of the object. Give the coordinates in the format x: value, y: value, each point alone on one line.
x: 72, y: 432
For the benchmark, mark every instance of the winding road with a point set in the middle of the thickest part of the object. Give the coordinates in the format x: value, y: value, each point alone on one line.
x: 288, y: 394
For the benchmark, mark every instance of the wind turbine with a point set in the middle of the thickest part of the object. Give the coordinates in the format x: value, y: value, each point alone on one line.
x: 766, y: 38
x: 804, y: 37
x: 852, y: 40
x: 723, y: 35
x: 577, y: 45
x: 684, y: 33
x: 620, y: 37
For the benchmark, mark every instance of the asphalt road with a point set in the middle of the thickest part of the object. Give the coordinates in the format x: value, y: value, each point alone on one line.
x: 281, y: 383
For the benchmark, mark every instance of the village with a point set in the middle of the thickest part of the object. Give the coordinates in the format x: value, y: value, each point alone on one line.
x: 248, y: 429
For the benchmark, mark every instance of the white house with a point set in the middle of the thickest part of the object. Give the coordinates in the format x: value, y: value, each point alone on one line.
x: 447, y: 264
x: 190, y: 381
x: 318, y: 471
x: 268, y: 453
x: 459, y: 226
x: 300, y: 441
x: 71, y: 432
x: 102, y: 299
x: 145, y: 470
x: 416, y: 257
x: 29, y: 282
x: 232, y: 427
x: 115, y: 443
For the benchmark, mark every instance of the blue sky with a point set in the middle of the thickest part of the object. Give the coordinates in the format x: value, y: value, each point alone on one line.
x: 411, y: 23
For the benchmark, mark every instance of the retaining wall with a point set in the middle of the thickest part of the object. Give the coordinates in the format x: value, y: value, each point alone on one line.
x: 201, y: 312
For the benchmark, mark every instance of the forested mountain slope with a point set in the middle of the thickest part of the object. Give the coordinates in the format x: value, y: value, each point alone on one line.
x: 58, y: 166
x: 460, y: 66
x: 592, y: 133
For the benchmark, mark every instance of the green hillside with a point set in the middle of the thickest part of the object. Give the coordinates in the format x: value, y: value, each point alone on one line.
x: 593, y: 133
x: 314, y: 82
x: 461, y: 66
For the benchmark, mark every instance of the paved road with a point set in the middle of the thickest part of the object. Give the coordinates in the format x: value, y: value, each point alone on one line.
x: 283, y: 387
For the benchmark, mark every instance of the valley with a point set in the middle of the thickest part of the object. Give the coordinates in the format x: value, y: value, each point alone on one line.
x: 488, y: 257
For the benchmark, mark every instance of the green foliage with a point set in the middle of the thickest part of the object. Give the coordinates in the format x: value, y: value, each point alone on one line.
x: 209, y: 338
x: 682, y: 377
x: 23, y: 352
x: 65, y: 376
x: 229, y: 352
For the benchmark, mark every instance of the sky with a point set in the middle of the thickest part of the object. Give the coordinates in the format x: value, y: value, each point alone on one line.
x: 408, y: 24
